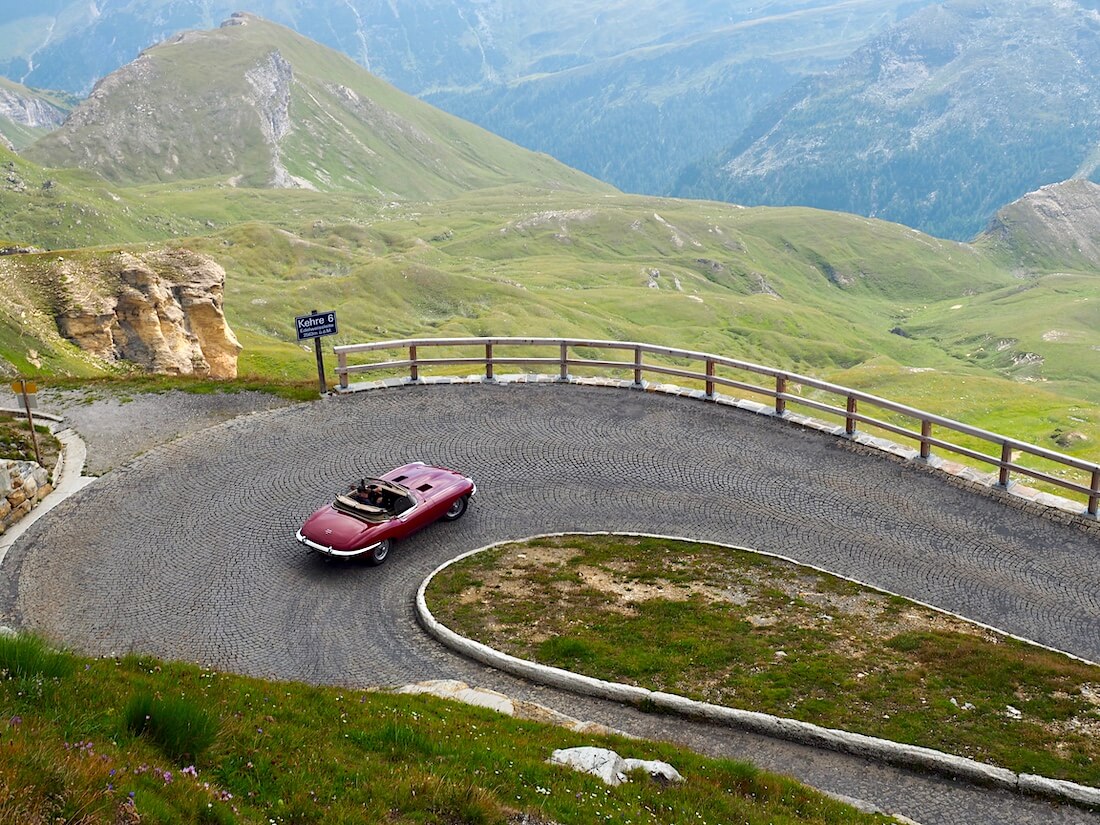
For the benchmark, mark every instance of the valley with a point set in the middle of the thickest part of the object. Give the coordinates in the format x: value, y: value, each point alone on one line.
x: 411, y: 223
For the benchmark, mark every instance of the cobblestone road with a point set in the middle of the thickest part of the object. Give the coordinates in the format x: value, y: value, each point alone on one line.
x: 187, y: 551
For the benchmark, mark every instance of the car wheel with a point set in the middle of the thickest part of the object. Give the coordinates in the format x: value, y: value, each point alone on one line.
x: 379, y: 553
x: 457, y: 508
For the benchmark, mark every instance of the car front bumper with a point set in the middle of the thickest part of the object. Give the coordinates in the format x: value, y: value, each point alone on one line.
x: 327, y: 550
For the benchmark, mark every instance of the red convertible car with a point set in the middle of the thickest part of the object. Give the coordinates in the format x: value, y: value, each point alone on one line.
x: 374, y: 513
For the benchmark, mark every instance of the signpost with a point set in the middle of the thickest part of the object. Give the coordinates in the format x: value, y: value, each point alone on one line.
x: 315, y: 325
x: 27, y: 389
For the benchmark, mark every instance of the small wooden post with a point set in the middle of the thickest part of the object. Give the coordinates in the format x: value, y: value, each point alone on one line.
x: 26, y: 393
x: 1094, y: 499
x: 414, y: 368
x: 320, y: 365
x: 925, y: 434
x: 564, y: 374
x: 342, y: 369
x: 849, y: 420
x: 780, y: 391
x: 1006, y: 458
x: 637, y: 366
x: 710, y: 378
x: 489, y: 362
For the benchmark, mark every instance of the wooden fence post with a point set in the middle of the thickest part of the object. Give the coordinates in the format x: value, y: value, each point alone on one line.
x: 1094, y: 499
x: 710, y: 378
x: 780, y: 391
x: 489, y: 362
x: 637, y: 366
x: 925, y: 434
x: 849, y: 419
x: 1006, y: 457
x: 564, y: 375
x: 341, y: 368
x: 414, y: 368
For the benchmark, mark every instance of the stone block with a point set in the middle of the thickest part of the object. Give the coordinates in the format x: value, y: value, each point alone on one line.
x: 16, y: 497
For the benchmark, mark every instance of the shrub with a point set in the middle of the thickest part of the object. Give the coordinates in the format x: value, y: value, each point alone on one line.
x: 181, y: 729
x: 25, y: 656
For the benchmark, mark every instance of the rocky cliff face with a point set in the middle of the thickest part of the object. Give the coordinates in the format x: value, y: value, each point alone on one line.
x: 160, y: 310
x: 29, y: 111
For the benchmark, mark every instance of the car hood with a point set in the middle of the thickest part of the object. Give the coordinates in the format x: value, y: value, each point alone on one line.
x: 331, y: 528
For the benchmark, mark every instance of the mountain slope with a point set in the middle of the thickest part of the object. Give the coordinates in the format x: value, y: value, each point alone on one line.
x: 254, y: 104
x: 1056, y: 228
x: 650, y: 110
x: 961, y: 108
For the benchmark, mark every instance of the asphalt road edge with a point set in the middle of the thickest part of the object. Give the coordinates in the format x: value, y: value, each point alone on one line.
x: 806, y: 733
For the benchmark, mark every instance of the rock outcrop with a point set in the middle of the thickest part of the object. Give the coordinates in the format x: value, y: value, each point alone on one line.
x: 1055, y: 225
x: 159, y: 310
x: 28, y: 110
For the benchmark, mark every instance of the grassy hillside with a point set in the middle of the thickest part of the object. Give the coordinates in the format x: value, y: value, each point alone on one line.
x: 134, y: 739
x: 867, y: 303
x: 255, y: 104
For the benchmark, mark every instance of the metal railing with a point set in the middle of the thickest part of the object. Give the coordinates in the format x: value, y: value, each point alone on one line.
x: 927, y: 430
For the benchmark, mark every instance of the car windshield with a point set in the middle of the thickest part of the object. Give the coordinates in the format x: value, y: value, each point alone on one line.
x: 375, y: 497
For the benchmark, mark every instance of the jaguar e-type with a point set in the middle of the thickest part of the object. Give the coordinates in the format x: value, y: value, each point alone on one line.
x: 373, y: 513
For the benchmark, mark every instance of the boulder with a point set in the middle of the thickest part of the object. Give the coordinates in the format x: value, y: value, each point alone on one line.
x: 610, y: 767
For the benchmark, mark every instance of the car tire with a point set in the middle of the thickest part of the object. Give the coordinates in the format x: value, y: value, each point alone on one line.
x: 379, y: 553
x: 457, y: 509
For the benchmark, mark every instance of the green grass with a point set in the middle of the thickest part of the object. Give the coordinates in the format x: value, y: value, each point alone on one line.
x: 180, y: 728
x: 288, y: 752
x: 738, y: 629
x: 16, y: 442
x: 28, y: 657
x: 136, y: 384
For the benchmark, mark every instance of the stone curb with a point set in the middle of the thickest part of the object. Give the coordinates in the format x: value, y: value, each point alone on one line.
x: 1017, y: 495
x: 54, y: 419
x: 869, y: 747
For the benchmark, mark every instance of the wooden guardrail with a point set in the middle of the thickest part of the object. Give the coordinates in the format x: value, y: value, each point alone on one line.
x: 927, y: 430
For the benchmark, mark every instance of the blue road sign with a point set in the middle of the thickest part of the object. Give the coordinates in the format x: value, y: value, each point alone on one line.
x: 315, y: 325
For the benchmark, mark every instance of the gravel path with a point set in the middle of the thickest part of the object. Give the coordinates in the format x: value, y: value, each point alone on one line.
x: 187, y: 552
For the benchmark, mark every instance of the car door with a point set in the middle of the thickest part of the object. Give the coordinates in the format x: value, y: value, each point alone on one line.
x: 411, y: 515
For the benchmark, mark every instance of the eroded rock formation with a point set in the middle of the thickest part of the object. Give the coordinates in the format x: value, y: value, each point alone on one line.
x: 29, y: 110
x: 160, y: 310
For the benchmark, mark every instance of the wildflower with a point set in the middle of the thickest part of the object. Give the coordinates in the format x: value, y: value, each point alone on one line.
x: 167, y: 777
x: 15, y: 721
x: 190, y: 771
